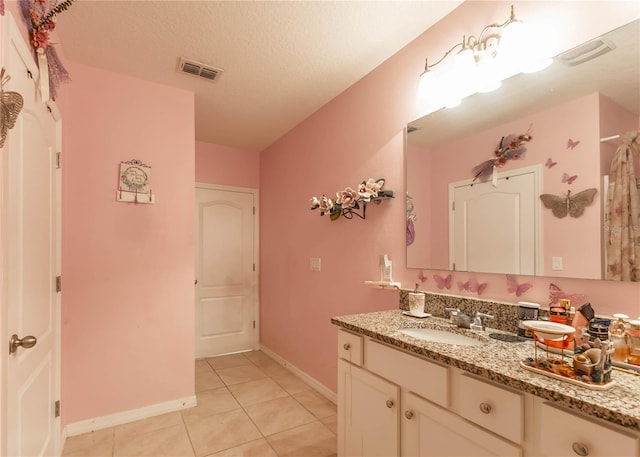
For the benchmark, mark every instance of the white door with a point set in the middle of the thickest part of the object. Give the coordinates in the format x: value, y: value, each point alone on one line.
x: 494, y: 229
x: 226, y: 271
x: 30, y: 263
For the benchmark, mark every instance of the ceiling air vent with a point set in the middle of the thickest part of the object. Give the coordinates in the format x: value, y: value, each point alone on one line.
x: 586, y: 51
x: 191, y: 67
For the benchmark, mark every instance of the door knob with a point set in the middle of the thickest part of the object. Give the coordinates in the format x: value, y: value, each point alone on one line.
x: 26, y: 342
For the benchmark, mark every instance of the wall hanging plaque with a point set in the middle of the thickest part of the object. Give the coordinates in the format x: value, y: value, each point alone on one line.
x: 135, y: 183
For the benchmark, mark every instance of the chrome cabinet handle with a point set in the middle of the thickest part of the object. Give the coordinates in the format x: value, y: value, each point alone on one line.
x: 408, y: 414
x: 26, y: 342
x: 390, y: 403
x: 485, y: 408
x: 346, y: 346
x: 580, y: 449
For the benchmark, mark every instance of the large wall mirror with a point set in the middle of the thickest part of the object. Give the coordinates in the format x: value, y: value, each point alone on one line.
x: 571, y: 109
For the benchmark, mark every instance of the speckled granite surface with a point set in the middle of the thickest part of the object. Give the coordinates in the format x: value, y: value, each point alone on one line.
x: 500, y: 362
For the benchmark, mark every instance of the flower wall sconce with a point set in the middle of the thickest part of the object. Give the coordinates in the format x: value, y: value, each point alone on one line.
x: 350, y: 202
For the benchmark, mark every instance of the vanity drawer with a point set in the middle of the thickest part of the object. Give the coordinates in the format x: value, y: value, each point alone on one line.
x: 350, y: 347
x: 492, y: 407
x: 563, y: 433
x: 426, y: 379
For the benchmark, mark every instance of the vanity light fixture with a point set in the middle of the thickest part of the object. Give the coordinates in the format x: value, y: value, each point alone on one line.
x: 481, y: 64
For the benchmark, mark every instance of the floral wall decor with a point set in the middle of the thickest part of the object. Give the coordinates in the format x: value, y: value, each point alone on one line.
x: 41, y: 21
x: 510, y: 147
x: 10, y: 105
x: 350, y: 202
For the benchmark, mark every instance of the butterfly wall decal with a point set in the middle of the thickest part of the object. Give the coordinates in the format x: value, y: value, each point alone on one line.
x: 472, y: 286
x: 569, y: 179
x: 550, y: 163
x: 572, y: 144
x: 10, y: 106
x: 573, y: 205
x: 422, y: 277
x: 514, y: 287
x: 555, y: 294
x: 443, y: 283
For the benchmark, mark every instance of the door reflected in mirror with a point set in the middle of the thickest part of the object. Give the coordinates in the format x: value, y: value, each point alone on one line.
x: 588, y: 94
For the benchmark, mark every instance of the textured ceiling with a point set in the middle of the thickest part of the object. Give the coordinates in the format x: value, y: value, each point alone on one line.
x: 282, y: 60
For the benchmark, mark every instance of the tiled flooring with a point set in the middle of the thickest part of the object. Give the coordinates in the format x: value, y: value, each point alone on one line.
x: 248, y: 405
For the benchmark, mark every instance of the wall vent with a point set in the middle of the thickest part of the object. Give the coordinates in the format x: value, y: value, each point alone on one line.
x: 198, y: 69
x: 586, y: 51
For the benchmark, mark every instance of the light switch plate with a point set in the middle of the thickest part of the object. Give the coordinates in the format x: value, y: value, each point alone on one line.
x: 314, y: 263
x: 556, y: 263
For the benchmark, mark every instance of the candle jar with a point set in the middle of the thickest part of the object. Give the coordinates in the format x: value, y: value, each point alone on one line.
x: 633, y: 335
x: 618, y: 336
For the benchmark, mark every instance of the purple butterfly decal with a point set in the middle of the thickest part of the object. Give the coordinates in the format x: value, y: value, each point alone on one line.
x: 472, y: 286
x: 421, y: 276
x: 476, y: 287
x: 569, y: 179
x: 550, y: 163
x: 572, y: 144
x: 555, y: 294
x: 443, y: 283
x: 514, y: 287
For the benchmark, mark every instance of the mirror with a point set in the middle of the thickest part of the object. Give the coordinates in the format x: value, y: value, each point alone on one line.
x: 567, y: 108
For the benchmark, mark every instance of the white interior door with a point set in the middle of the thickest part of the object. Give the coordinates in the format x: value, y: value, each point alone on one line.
x: 30, y: 263
x: 495, y: 228
x: 226, y: 271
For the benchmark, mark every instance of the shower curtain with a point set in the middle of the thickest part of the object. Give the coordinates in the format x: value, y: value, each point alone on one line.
x: 623, y: 208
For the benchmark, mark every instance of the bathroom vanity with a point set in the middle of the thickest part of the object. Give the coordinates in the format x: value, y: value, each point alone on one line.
x: 403, y: 396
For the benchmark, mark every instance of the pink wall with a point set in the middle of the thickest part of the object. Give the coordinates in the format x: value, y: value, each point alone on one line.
x: 224, y: 165
x: 127, y: 269
x: 359, y: 135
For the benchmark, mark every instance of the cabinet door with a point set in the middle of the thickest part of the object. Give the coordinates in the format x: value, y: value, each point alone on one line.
x: 368, y: 414
x: 428, y: 430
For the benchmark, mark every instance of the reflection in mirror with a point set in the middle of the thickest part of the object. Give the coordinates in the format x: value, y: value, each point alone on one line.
x: 500, y: 225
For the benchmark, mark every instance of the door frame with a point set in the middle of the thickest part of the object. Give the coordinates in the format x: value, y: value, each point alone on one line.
x: 536, y: 170
x: 11, y: 35
x: 256, y: 251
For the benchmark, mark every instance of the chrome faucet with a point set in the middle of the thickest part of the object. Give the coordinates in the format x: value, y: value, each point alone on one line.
x: 479, y: 321
x: 458, y: 318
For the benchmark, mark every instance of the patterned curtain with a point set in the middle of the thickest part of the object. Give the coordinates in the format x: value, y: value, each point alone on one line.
x: 623, y: 207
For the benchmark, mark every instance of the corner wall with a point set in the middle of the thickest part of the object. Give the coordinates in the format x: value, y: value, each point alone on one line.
x: 127, y: 269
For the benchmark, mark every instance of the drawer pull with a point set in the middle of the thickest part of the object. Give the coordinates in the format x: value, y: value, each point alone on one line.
x: 580, y: 449
x: 408, y: 414
x: 390, y: 403
x: 346, y: 346
x: 485, y: 408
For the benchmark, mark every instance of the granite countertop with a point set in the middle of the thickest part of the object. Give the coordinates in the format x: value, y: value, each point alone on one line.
x: 500, y: 362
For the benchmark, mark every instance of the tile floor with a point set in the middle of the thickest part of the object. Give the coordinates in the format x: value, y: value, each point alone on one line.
x: 248, y: 405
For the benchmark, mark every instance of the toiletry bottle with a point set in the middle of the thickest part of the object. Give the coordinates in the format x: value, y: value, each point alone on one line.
x: 633, y: 334
x: 618, y: 336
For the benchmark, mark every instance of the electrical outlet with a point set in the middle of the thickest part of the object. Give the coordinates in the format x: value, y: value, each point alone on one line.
x: 556, y: 263
x: 314, y: 263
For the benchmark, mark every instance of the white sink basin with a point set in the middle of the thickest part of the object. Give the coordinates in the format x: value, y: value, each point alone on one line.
x: 441, y: 336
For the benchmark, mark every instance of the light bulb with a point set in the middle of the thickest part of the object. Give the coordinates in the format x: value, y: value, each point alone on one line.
x: 429, y: 93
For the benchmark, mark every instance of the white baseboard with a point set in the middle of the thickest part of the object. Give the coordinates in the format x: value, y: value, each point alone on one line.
x: 313, y: 382
x: 111, y: 420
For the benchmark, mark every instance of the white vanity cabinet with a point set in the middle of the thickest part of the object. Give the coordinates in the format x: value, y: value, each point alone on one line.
x: 428, y: 430
x: 392, y: 403
x: 369, y: 414
x: 562, y: 433
x: 395, y: 405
